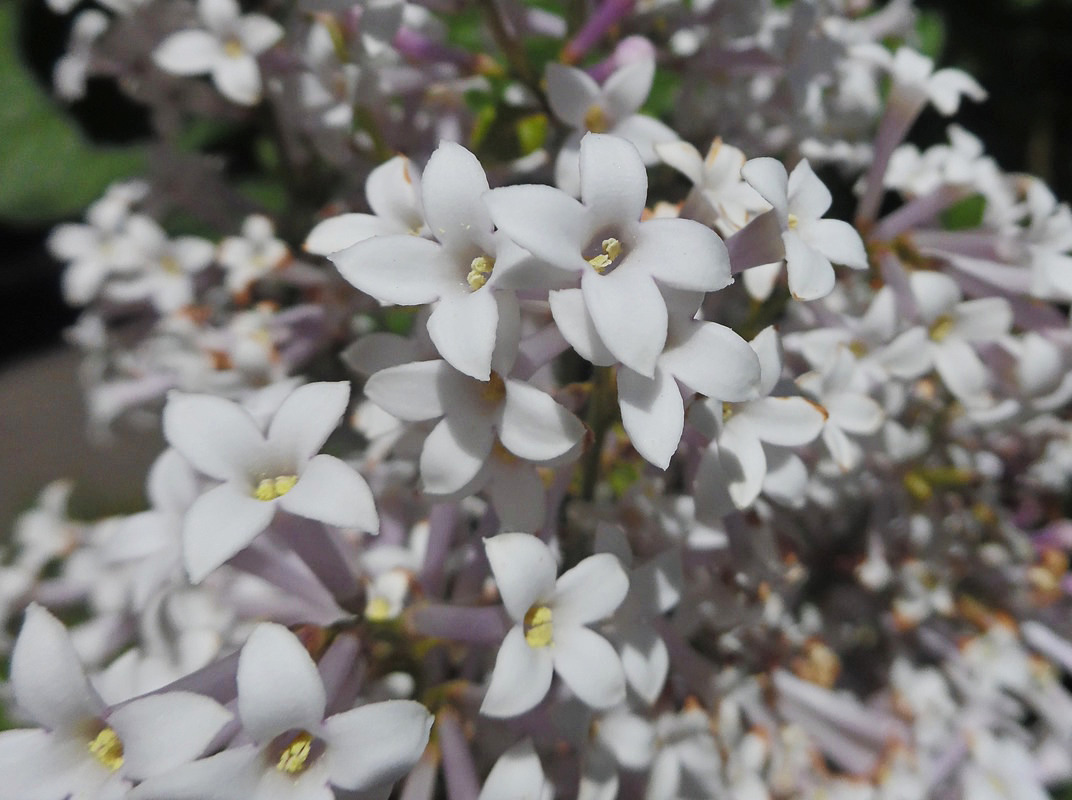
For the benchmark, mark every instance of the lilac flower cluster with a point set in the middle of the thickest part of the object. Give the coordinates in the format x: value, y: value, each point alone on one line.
x: 496, y: 482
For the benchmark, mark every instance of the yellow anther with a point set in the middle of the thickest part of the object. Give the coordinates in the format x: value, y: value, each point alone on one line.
x: 107, y: 748
x: 271, y: 488
x: 793, y: 222
x: 494, y: 391
x: 942, y: 327
x: 479, y: 272
x: 612, y: 248
x: 171, y: 265
x: 858, y: 348
x: 295, y: 755
x: 378, y: 609
x: 595, y: 119
x: 538, y: 626
x: 727, y: 411
x: 232, y: 48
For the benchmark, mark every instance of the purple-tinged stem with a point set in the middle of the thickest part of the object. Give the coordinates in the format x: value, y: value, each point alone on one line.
x: 916, y: 211
x: 442, y: 520
x: 481, y: 625
x: 609, y: 14
x: 421, y: 781
x: 320, y: 551
x: 459, y: 771
x: 759, y: 242
x: 337, y: 669
x: 900, y: 114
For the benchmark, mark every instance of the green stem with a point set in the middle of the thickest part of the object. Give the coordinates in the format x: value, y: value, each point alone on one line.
x: 514, y: 52
x: 599, y: 418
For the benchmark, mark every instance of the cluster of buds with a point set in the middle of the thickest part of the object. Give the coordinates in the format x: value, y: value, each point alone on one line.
x: 526, y: 451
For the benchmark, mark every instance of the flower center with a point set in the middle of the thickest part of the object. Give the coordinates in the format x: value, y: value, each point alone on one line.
x: 107, y: 748
x: 295, y: 756
x: 538, y: 626
x: 494, y: 390
x: 793, y: 222
x: 941, y: 328
x: 378, y: 609
x: 595, y: 119
x: 612, y: 249
x: 479, y: 272
x: 170, y: 265
x: 232, y: 48
x: 727, y: 411
x: 271, y: 488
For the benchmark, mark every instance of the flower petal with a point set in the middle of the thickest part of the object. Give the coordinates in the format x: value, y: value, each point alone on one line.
x: 463, y: 328
x: 961, y: 370
x: 403, y: 270
x: 219, y: 524
x: 49, y: 681
x: 517, y: 773
x: 163, y: 731
x: 785, y: 421
x: 653, y: 414
x: 711, y: 359
x: 238, y: 79
x: 589, y: 592
x: 332, y: 491
x: 630, y: 315
x: 279, y: 687
x: 408, y: 391
x: 453, y: 454
x: 614, y: 183
x: 345, y: 230
x: 230, y: 775
x: 743, y: 464
x: 258, y: 32
x: 534, y: 426
x: 452, y: 188
x: 306, y: 419
x: 853, y: 412
x: 521, y: 677
x: 589, y: 666
x: 628, y: 87
x: 545, y: 221
x: 576, y: 326
x: 683, y: 254
x: 646, y: 662
x: 811, y: 275
x: 524, y: 570
x: 191, y: 52
x: 768, y: 177
x: 935, y: 293
x: 571, y: 92
x: 837, y: 241
x: 375, y: 744
x: 808, y: 196
x: 217, y: 436
x: 982, y: 320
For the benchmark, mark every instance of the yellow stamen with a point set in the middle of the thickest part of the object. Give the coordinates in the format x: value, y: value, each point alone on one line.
x: 793, y: 222
x: 378, y: 609
x: 171, y: 265
x: 294, y: 757
x: 107, y: 748
x: 479, y: 272
x: 942, y: 327
x: 595, y: 119
x: 727, y: 411
x: 538, y: 626
x: 612, y: 248
x: 232, y: 48
x: 271, y: 488
x: 494, y: 391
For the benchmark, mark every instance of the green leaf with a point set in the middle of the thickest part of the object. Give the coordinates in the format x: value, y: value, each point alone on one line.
x: 965, y: 214
x: 931, y: 31
x: 48, y: 170
x: 532, y: 132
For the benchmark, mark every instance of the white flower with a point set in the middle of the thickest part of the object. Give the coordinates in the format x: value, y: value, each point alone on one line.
x: 811, y: 243
x: 736, y: 466
x: 550, y: 633
x: 620, y: 261
x: 263, y: 472
x: 491, y: 433
x: 849, y: 411
x: 581, y: 103
x: 228, y: 50
x: 1001, y: 768
x: 915, y: 81
x: 393, y: 192
x: 296, y: 752
x: 473, y: 322
x: 716, y: 179
x: 517, y: 773
x: 84, y: 749
x: 251, y: 256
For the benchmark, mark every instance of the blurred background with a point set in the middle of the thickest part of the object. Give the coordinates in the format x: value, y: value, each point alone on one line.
x: 54, y: 160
